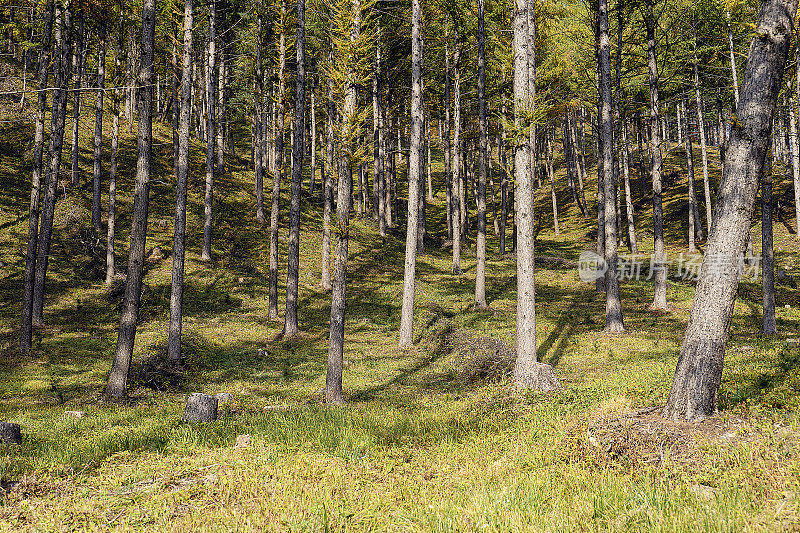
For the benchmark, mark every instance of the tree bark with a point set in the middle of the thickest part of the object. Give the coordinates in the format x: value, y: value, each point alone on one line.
x: 290, y: 326
x: 699, y: 370
x: 44, y: 55
x: 179, y: 238
x: 414, y: 178
x: 118, y: 376
x: 659, y: 258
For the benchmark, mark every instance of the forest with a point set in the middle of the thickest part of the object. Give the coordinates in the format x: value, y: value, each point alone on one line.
x: 359, y: 265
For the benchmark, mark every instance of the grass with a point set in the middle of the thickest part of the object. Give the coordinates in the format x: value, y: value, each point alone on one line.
x: 426, y: 443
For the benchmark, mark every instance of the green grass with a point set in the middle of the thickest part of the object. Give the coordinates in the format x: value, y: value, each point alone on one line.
x: 425, y: 443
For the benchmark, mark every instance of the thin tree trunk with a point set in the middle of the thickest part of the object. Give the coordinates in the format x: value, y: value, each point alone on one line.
x: 414, y: 179
x: 290, y: 326
x: 483, y: 138
x: 98, y: 130
x: 179, y: 239
x: 118, y: 376
x: 61, y: 75
x: 698, y: 374
x: 659, y: 259
x: 45, y: 53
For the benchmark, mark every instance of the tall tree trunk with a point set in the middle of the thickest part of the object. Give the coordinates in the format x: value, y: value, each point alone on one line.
x: 98, y: 130
x: 768, y: 326
x: 659, y: 258
x: 44, y: 55
x: 61, y: 75
x: 699, y: 370
x: 80, y: 63
x: 614, y: 321
x: 414, y: 179
x: 455, y: 159
x: 483, y: 138
x: 118, y: 376
x: 258, y: 117
x: 333, y: 378
x: 290, y: 326
x: 701, y: 124
x: 179, y: 239
x: 211, y: 124
x: 528, y: 372
x: 279, y: 170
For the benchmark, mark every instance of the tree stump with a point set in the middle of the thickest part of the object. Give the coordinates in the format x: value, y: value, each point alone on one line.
x: 10, y: 433
x: 200, y: 408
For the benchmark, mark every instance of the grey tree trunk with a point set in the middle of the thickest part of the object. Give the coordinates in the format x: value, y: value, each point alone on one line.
x: 528, y: 372
x: 693, y: 395
x: 80, y: 63
x: 211, y: 123
x: 483, y: 139
x: 61, y: 75
x: 768, y: 325
x: 258, y: 117
x: 278, y: 174
x: 98, y: 130
x: 179, y: 238
x: 659, y: 258
x: 290, y: 326
x: 118, y: 376
x: 414, y: 178
x: 333, y: 378
x: 614, y: 321
x: 44, y: 55
x: 455, y: 159
x: 701, y: 125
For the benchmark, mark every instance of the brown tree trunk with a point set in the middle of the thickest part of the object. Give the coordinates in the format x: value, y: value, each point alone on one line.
x: 118, y: 376
x: 693, y: 395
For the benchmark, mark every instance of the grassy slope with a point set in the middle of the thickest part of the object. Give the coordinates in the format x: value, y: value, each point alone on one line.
x: 425, y: 443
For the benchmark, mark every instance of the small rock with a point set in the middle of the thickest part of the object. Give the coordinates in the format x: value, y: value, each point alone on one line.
x: 10, y: 433
x: 243, y: 441
x: 200, y: 408
x: 223, y: 397
x: 74, y: 414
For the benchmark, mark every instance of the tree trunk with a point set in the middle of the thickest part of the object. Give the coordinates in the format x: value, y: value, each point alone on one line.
x: 45, y: 53
x: 768, y: 326
x: 659, y: 258
x: 98, y: 129
x: 699, y: 371
x: 118, y: 376
x: 414, y: 179
x: 276, y: 180
x: 614, y: 321
x: 483, y: 138
x: 179, y: 239
x: 290, y: 326
x: 211, y: 124
x: 61, y: 75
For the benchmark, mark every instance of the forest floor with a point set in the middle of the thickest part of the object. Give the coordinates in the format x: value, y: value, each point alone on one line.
x: 431, y: 438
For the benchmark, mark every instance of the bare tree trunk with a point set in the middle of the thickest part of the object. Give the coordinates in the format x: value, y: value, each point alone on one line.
x: 276, y: 180
x: 118, y: 376
x: 659, y: 258
x: 80, y: 63
x: 290, y: 326
x: 45, y: 53
x: 768, y: 326
x: 98, y: 130
x: 61, y: 75
x: 699, y: 370
x: 414, y: 179
x: 614, y: 321
x: 179, y: 239
x: 483, y: 138
x: 211, y: 123
x: 456, y: 160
